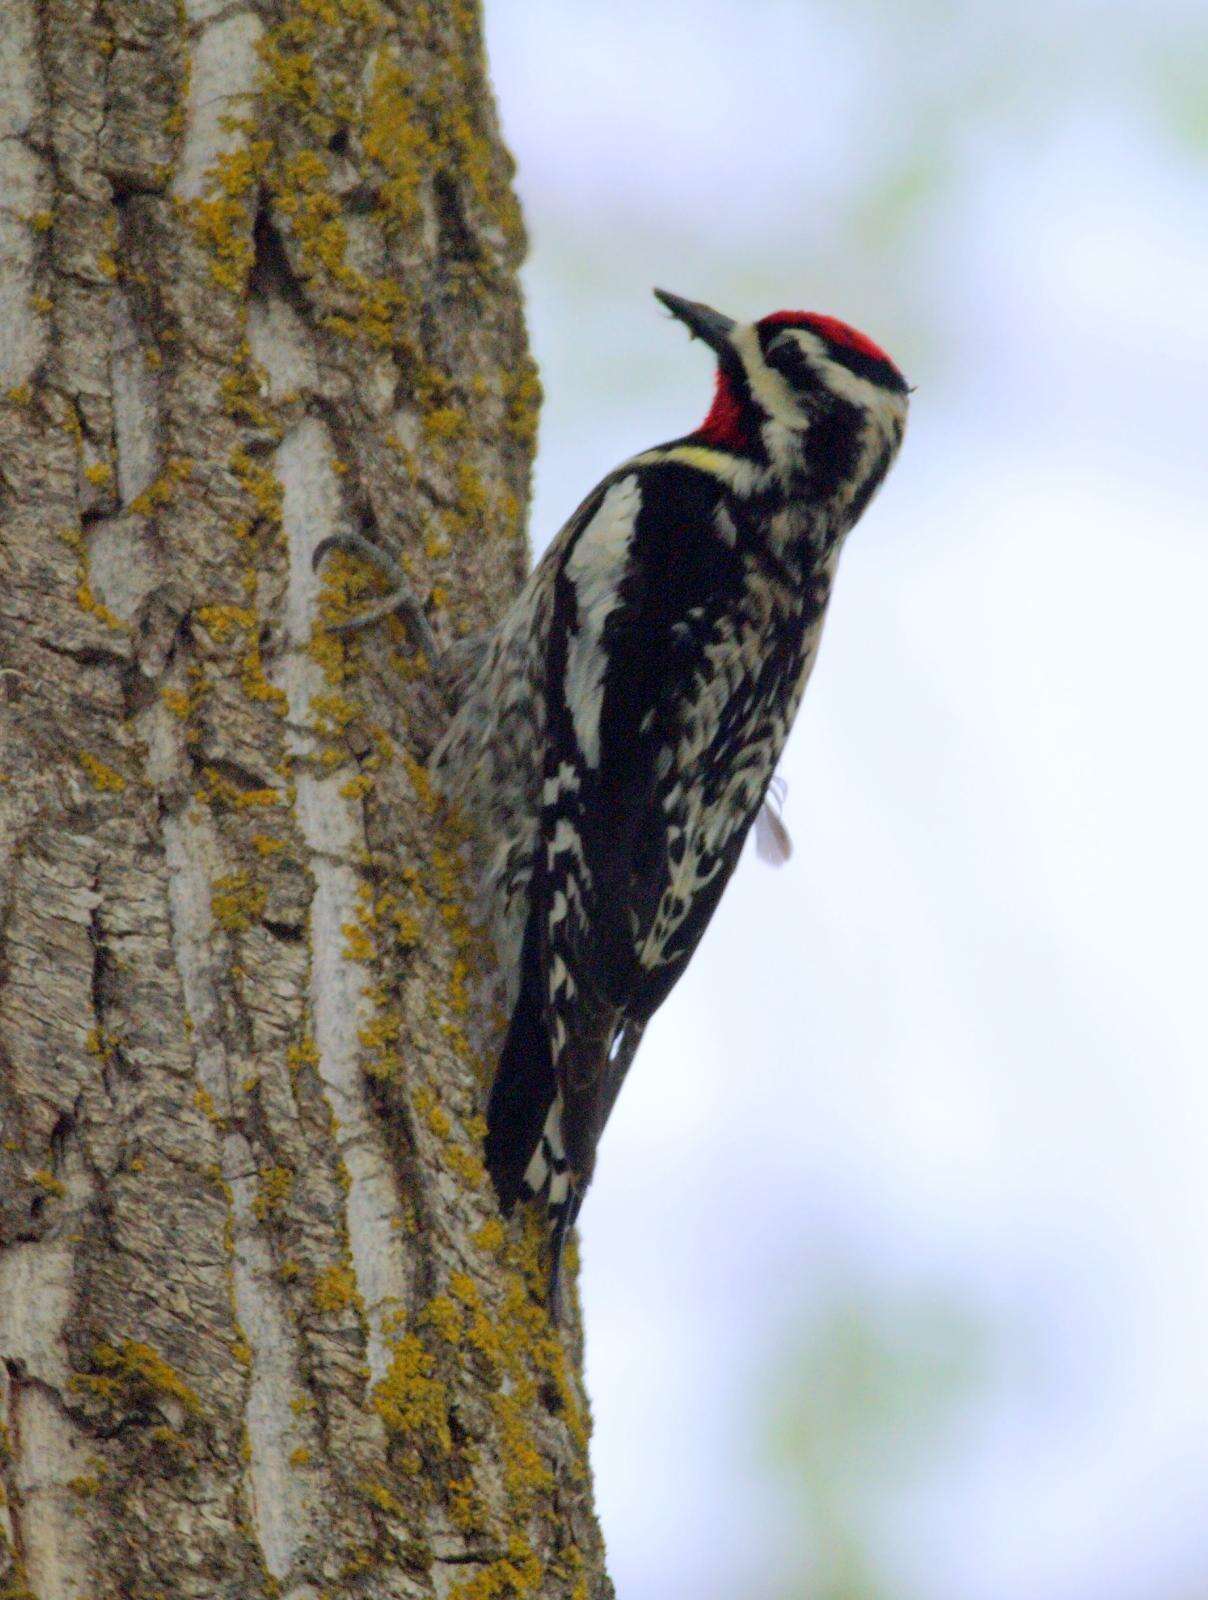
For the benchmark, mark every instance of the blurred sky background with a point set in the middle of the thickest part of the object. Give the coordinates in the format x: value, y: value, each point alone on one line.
x: 895, y: 1265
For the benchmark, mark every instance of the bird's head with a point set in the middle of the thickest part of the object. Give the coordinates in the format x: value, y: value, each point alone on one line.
x: 779, y: 377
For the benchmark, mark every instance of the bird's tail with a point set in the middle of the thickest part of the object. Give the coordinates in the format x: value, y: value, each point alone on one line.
x: 525, y: 1148
x: 522, y: 1099
x: 545, y: 1116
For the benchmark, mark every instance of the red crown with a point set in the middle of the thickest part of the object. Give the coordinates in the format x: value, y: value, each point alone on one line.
x: 829, y: 328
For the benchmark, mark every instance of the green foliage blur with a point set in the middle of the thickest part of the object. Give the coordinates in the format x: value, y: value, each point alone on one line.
x: 855, y: 1412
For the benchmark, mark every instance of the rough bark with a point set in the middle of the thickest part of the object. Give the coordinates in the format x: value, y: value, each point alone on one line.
x: 261, y: 1327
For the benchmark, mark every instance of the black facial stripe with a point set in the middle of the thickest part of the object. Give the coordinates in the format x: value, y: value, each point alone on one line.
x: 883, y: 373
x: 788, y: 359
x: 835, y: 441
x: 731, y: 364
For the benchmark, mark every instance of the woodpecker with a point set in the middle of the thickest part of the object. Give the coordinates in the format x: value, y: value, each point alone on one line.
x: 621, y: 727
x: 617, y: 732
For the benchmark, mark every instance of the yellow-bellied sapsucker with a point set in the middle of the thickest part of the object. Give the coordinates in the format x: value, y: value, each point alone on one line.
x: 617, y: 732
x: 624, y: 720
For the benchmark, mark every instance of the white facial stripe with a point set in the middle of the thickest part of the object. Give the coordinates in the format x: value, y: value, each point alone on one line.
x: 767, y: 386
x: 841, y: 380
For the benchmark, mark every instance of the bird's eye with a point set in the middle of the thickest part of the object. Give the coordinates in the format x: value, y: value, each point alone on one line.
x: 788, y: 358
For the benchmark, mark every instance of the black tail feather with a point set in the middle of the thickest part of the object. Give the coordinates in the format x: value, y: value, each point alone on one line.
x: 524, y: 1090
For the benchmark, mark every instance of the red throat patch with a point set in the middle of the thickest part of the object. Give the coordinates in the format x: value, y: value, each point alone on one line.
x: 830, y: 328
x: 723, y: 425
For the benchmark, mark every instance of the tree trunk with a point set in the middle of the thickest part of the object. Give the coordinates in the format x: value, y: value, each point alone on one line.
x: 262, y: 1329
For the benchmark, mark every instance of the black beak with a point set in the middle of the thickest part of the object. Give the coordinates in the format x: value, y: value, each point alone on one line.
x: 700, y: 320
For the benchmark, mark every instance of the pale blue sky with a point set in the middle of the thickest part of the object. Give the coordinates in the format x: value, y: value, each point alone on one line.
x: 956, y: 1050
